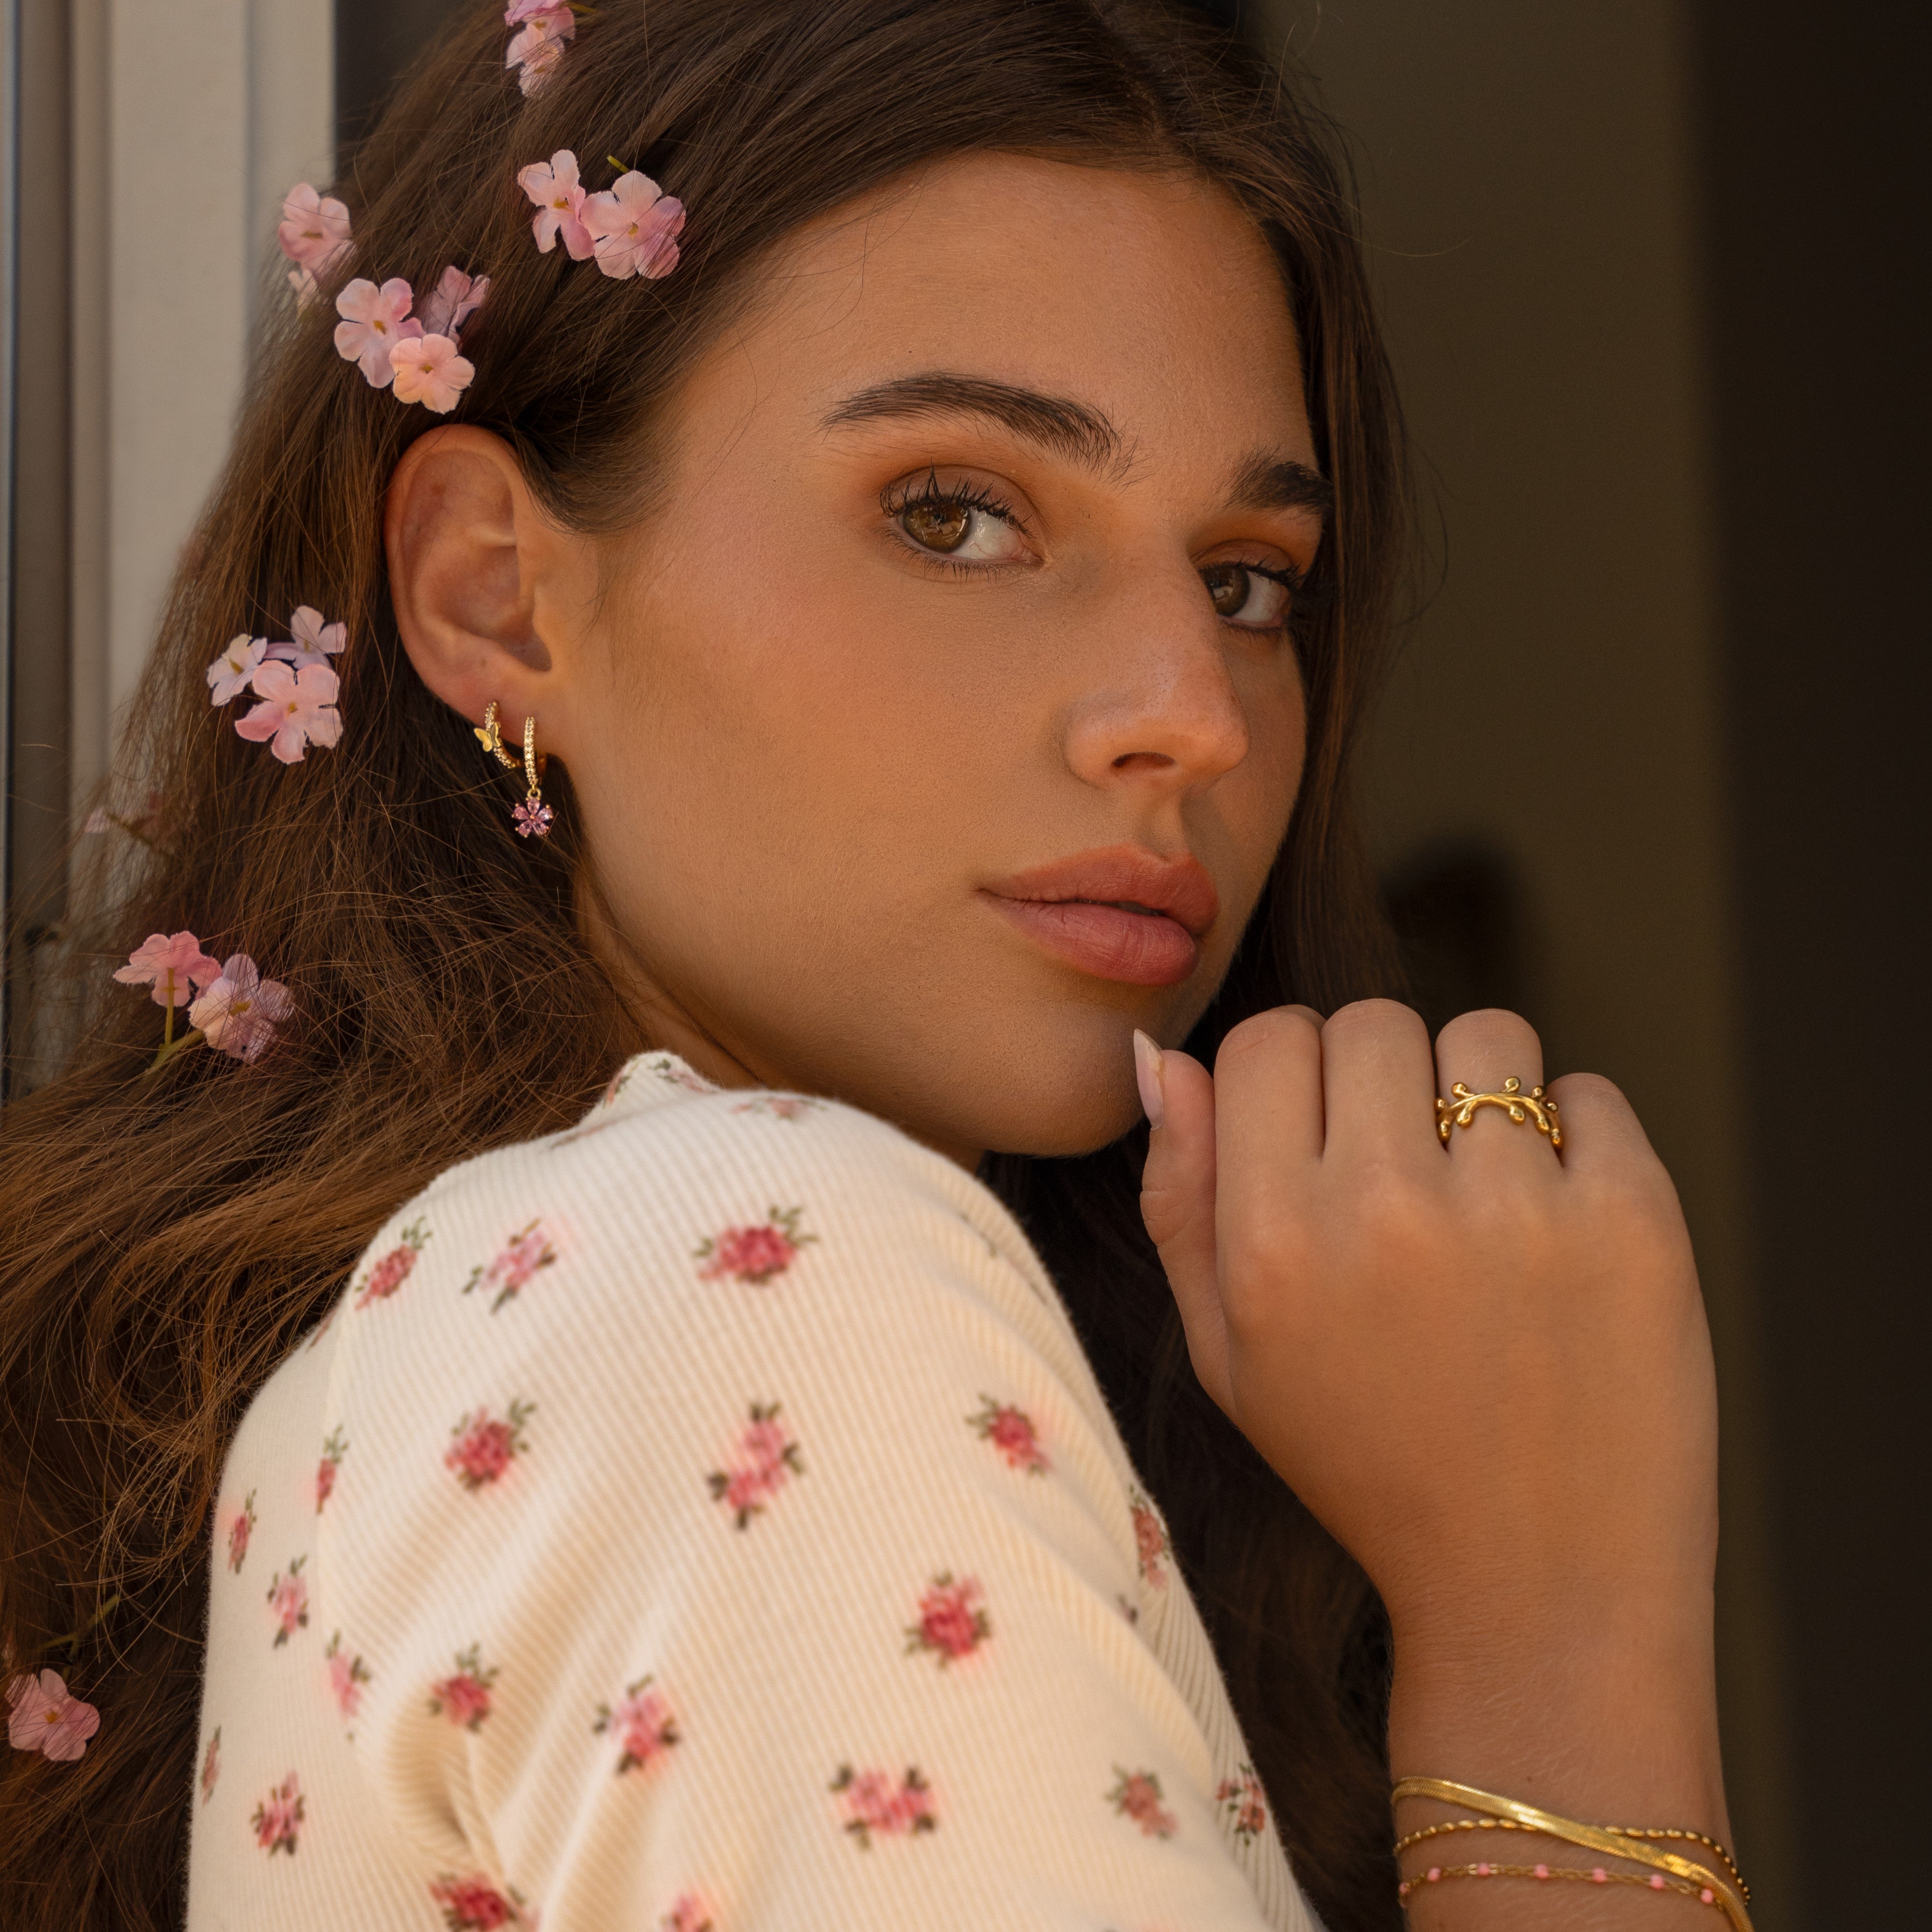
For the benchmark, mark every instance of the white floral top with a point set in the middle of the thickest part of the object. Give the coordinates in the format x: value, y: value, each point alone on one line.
x: 706, y: 1517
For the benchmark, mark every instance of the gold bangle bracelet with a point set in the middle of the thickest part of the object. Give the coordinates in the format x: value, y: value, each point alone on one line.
x: 1592, y: 1837
x: 1427, y: 1832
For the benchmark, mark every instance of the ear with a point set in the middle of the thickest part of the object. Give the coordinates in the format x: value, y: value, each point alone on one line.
x: 480, y: 578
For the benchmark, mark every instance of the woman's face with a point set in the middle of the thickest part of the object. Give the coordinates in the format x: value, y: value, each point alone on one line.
x: 941, y: 726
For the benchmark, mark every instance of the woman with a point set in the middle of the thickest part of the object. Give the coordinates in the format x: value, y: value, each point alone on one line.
x: 923, y: 570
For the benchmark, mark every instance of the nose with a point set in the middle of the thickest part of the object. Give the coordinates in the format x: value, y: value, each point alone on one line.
x: 1160, y: 707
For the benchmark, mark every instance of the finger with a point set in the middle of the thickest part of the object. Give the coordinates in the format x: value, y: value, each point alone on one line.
x: 1178, y: 1200
x: 1379, y: 1084
x: 1599, y: 1127
x: 1483, y: 1051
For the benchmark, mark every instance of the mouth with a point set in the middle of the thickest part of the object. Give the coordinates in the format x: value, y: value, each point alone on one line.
x: 1122, y: 912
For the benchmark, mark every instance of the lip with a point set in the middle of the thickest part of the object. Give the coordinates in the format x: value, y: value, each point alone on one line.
x: 1076, y: 908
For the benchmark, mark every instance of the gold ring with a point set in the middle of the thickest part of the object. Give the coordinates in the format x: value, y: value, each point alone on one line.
x: 1460, y: 1109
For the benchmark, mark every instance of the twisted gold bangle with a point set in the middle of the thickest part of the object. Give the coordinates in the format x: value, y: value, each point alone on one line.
x: 1592, y: 1837
x: 1621, y: 1830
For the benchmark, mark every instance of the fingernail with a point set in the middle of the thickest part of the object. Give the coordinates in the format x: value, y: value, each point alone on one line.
x: 1147, y: 1072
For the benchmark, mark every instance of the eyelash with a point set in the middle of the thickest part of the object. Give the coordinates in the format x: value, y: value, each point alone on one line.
x: 896, y: 500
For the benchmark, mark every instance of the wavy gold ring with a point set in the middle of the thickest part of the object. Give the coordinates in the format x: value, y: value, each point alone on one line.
x: 1460, y: 1108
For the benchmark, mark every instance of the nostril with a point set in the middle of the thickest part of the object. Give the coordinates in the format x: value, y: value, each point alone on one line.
x: 1148, y: 761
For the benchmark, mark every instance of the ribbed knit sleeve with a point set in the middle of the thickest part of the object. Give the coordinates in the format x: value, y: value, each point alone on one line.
x: 724, y: 1529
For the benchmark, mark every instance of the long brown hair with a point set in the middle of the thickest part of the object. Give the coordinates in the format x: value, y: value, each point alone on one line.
x: 166, y: 1239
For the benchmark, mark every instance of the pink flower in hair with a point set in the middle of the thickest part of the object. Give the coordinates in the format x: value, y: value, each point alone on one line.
x: 518, y: 11
x: 314, y: 231
x: 315, y: 642
x: 41, y: 1716
x: 371, y: 325
x: 454, y: 300
x: 229, y: 674
x: 241, y: 1011
x: 172, y: 963
x: 558, y: 195
x: 538, y: 49
x: 429, y: 371
x: 297, y: 708
x: 637, y: 226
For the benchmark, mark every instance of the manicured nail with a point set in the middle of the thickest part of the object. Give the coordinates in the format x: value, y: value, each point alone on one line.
x: 1148, y: 1071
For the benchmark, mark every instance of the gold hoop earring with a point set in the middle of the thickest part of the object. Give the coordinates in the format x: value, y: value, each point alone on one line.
x: 533, y: 818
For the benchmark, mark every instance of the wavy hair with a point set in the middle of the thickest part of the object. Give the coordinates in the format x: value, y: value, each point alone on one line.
x: 167, y: 1239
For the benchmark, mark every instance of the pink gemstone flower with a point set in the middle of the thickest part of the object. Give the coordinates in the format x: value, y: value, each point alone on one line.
x: 211, y: 1765
x: 314, y: 230
x: 538, y: 49
x: 241, y: 1012
x: 41, y: 1716
x: 1011, y: 1431
x: 636, y: 225
x: 464, y: 1697
x: 485, y: 1447
x: 753, y: 1255
x: 872, y: 1804
x: 454, y: 300
x: 298, y: 708
x: 371, y: 325
x: 288, y: 1598
x: 173, y: 963
x: 951, y: 1622
x: 239, y: 1530
x: 229, y: 674
x: 558, y: 195
x: 278, y: 1817
x: 428, y: 370
x: 314, y: 641
x: 642, y: 1724
x: 1136, y: 1795
x: 767, y: 1457
x: 473, y: 1904
x: 533, y: 819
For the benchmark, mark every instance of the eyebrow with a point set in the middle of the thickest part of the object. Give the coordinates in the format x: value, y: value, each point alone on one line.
x: 1261, y: 482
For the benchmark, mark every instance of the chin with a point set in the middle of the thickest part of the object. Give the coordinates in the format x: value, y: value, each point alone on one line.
x: 1052, y: 1104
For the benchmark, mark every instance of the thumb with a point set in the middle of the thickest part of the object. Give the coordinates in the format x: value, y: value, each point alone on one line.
x: 1178, y: 1200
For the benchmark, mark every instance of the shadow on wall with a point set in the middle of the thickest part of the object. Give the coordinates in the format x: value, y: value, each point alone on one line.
x: 1457, y: 910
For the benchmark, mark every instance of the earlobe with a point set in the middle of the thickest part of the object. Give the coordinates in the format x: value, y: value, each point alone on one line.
x: 466, y: 549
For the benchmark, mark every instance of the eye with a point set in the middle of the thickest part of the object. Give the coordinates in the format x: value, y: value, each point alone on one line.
x: 1248, y: 594
x: 965, y: 524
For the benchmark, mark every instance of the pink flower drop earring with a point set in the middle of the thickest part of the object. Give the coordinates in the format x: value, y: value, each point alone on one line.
x: 533, y: 818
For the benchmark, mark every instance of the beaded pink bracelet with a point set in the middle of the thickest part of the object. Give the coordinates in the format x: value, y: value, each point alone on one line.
x: 1596, y: 1875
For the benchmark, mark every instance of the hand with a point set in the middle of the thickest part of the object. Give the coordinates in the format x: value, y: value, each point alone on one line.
x: 1484, y: 1366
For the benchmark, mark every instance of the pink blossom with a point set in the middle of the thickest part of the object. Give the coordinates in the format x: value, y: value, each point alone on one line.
x: 314, y: 231
x: 642, y: 1724
x: 753, y: 1255
x: 241, y: 1012
x: 372, y: 324
x: 454, y: 300
x: 950, y: 1621
x: 41, y: 1716
x: 553, y: 187
x: 393, y: 1270
x: 239, y: 1530
x: 527, y: 1250
x: 1245, y: 1803
x: 1137, y: 1795
x: 872, y: 1804
x: 1010, y: 1430
x: 211, y: 1765
x: 473, y: 1905
x: 314, y: 642
x: 464, y: 1701
x: 288, y: 1598
x: 518, y: 11
x: 538, y: 49
x: 1149, y: 1542
x: 278, y: 1816
x: 230, y: 673
x: 325, y: 1481
x: 343, y: 1683
x: 766, y: 1443
x: 688, y: 1915
x: 637, y: 225
x: 485, y: 1447
x: 298, y: 708
x: 428, y: 370
x: 172, y: 964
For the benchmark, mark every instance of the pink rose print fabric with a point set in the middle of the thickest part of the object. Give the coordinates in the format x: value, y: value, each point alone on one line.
x: 474, y: 1904
x: 211, y: 1765
x: 278, y: 1817
x: 463, y: 1697
x: 754, y: 1256
x: 527, y: 1250
x: 1243, y: 1803
x: 388, y: 1274
x: 767, y: 1456
x: 288, y: 1601
x: 485, y: 1446
x: 1150, y: 1540
x: 240, y: 1527
x: 1137, y: 1795
x: 780, y: 1106
x: 690, y: 1914
x: 1011, y: 1431
x: 874, y: 1807
x: 347, y: 1674
x: 335, y: 1447
x: 642, y: 1724
x: 952, y: 1623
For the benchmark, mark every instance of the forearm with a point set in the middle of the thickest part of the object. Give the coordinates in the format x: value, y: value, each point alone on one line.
x: 1609, y: 1722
